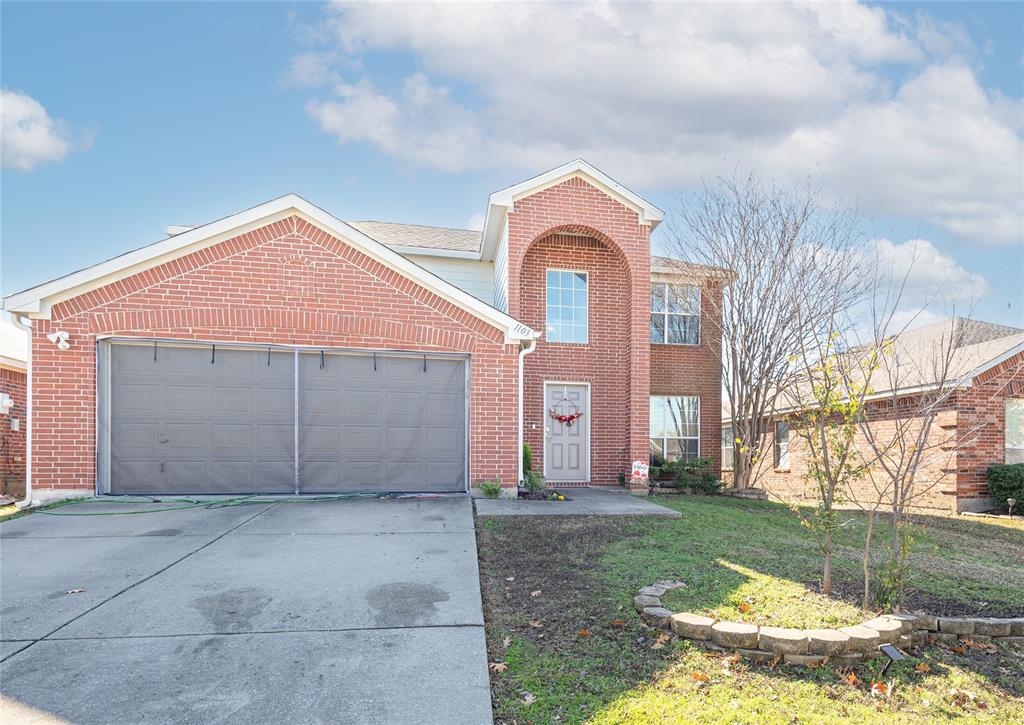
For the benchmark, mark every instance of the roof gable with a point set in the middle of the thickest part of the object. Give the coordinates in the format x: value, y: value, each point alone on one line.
x: 38, y: 301
x: 501, y: 202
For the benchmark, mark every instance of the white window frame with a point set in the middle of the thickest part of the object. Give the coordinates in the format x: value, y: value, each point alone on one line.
x: 780, y: 457
x: 547, y: 291
x: 728, y: 448
x: 1018, y: 450
x: 665, y: 314
x: 666, y: 438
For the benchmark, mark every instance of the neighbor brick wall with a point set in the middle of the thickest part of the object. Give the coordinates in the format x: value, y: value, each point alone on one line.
x: 696, y: 370
x: 619, y: 422
x: 13, y: 382
x: 971, y: 427
x: 982, y: 425
x: 936, y: 476
x: 290, y: 283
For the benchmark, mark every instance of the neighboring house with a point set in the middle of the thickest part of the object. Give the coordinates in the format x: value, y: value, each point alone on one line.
x: 981, y: 421
x: 13, y: 408
x: 283, y: 350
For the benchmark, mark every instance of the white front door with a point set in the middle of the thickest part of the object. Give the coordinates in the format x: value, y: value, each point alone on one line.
x: 566, y: 443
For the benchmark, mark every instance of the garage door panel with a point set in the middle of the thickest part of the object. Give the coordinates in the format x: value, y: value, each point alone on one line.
x: 126, y: 473
x: 276, y: 442
x: 134, y: 362
x: 137, y: 400
x: 181, y: 441
x: 362, y: 404
x: 186, y: 401
x: 319, y: 404
x: 441, y: 472
x: 135, y: 440
x: 444, y: 441
x: 228, y: 475
x: 232, y: 441
x: 402, y: 406
x: 186, y: 476
x: 276, y: 403
x: 319, y: 441
x: 362, y: 441
x: 405, y: 441
x: 184, y: 363
x: 232, y: 367
x: 232, y: 401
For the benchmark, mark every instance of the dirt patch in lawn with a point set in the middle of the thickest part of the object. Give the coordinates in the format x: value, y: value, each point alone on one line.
x: 922, y: 601
x: 539, y: 574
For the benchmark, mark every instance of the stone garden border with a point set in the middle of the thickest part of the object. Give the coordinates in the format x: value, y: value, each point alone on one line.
x: 815, y: 647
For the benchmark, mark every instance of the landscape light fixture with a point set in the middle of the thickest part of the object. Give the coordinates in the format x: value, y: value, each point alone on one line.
x: 892, y: 653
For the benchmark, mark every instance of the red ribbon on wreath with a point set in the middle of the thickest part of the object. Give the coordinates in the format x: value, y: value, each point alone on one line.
x: 568, y: 419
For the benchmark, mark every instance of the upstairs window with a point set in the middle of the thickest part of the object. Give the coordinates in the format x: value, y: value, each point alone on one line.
x: 675, y: 428
x: 675, y: 314
x: 568, y: 317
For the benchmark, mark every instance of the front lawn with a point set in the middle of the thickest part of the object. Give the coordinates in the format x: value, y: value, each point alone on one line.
x: 566, y: 645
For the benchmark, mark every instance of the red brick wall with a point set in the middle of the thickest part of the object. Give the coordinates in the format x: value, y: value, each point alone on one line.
x: 289, y: 283
x: 696, y: 370
x: 576, y: 207
x: 12, y: 443
x: 982, y: 425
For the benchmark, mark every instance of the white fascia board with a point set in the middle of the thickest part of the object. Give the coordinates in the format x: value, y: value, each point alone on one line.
x: 37, y: 301
x: 431, y: 252
x: 501, y: 202
x: 998, y: 360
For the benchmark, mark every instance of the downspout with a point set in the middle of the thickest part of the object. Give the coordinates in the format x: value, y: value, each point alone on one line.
x: 519, y: 452
x: 27, y: 501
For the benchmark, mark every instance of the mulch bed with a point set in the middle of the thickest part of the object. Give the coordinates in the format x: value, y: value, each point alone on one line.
x: 545, y: 494
x: 919, y: 601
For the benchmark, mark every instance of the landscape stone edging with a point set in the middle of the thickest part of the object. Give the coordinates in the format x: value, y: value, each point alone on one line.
x: 814, y: 647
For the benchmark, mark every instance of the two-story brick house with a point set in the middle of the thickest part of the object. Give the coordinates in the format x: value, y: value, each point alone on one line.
x: 282, y: 350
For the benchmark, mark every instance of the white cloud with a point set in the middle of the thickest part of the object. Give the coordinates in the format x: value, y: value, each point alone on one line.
x: 934, y: 284
x: 475, y: 222
x: 663, y: 95
x: 30, y: 136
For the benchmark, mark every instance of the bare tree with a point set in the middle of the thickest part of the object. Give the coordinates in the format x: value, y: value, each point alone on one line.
x: 792, y: 267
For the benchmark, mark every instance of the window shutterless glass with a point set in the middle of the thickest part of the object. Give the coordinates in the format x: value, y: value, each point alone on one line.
x: 568, y: 317
x: 674, y: 428
x: 675, y: 314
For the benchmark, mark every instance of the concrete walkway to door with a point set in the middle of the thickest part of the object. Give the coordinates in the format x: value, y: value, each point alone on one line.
x: 354, y: 611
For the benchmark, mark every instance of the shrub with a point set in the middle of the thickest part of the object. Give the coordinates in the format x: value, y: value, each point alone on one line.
x: 535, y: 482
x: 527, y: 458
x: 1007, y: 481
x: 693, y: 474
x: 490, y: 489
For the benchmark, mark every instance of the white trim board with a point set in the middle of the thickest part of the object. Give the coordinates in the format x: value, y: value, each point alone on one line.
x: 38, y: 301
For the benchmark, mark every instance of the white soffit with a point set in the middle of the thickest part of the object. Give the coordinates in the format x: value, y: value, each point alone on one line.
x: 36, y: 302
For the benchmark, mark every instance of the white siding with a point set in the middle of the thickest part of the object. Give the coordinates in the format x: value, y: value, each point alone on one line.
x: 469, y: 275
x: 501, y: 272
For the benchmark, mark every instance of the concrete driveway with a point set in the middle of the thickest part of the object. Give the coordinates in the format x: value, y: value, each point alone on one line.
x: 362, y: 611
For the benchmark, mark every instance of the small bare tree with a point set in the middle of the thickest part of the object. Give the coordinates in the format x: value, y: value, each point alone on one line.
x: 792, y: 265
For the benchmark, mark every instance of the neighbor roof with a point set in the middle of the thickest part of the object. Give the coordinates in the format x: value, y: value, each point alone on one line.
x: 418, y: 236
x: 38, y: 301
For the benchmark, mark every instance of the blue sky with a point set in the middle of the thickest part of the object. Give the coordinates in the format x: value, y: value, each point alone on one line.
x: 149, y: 114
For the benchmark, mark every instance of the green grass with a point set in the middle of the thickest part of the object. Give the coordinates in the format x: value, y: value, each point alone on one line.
x: 558, y: 591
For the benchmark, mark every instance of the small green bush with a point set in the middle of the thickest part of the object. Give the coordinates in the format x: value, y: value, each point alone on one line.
x: 490, y: 489
x: 527, y: 458
x: 693, y: 474
x: 535, y: 482
x: 1007, y: 481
